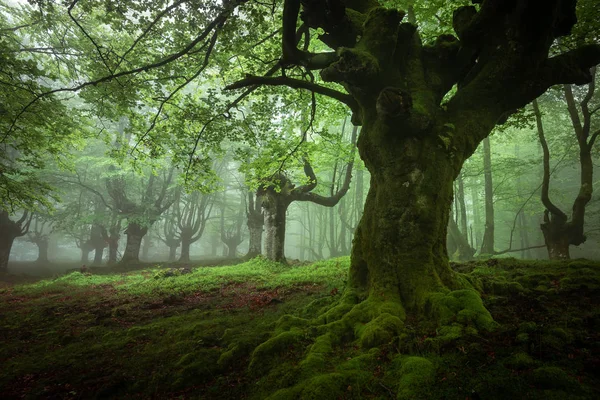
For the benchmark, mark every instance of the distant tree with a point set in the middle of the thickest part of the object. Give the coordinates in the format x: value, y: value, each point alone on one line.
x: 9, y: 231
x: 560, y: 232
x: 153, y: 201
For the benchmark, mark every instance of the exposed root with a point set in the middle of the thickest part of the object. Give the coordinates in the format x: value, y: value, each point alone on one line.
x: 367, y: 324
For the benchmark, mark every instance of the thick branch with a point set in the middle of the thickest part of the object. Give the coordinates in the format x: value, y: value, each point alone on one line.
x: 295, y: 84
x: 291, y: 53
x: 572, y: 66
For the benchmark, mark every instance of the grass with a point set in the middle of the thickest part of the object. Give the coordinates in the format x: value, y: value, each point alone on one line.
x: 166, y: 332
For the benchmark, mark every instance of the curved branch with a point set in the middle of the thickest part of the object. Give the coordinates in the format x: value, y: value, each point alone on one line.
x: 546, y: 180
x: 252, y: 80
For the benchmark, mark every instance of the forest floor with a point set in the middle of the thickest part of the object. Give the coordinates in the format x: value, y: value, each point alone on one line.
x: 170, y: 332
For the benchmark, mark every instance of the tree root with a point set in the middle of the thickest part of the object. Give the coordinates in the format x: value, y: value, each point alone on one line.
x: 367, y: 324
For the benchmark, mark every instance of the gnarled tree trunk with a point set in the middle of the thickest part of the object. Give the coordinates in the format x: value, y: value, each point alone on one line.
x: 186, y: 242
x: 135, y: 232
x: 9, y: 231
x: 400, y: 244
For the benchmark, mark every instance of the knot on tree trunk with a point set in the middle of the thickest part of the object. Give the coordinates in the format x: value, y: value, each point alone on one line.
x: 354, y: 67
x: 393, y: 102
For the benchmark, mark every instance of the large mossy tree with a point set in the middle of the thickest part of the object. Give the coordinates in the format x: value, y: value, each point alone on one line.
x: 424, y: 109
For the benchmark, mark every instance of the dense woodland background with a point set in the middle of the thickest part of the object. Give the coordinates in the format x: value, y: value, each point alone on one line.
x: 164, y: 154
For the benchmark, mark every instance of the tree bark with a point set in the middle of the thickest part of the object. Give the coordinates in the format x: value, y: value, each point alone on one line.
x: 186, y: 242
x: 135, y: 233
x: 487, y: 245
x: 9, y: 231
x: 275, y: 209
x: 255, y: 225
x: 400, y: 244
x: 173, y: 252
x: 42, y: 245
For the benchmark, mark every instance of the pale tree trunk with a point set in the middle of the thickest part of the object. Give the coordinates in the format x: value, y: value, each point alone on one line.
x: 275, y: 217
x: 42, y: 244
x: 255, y: 225
x: 487, y: 245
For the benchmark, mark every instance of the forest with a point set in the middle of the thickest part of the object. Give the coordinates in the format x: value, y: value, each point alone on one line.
x: 299, y: 199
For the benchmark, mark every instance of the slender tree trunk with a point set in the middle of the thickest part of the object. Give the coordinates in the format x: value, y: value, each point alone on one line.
x: 135, y: 234
x: 525, y: 254
x: 146, y: 244
x: 113, y: 247
x: 460, y: 195
x: 476, y: 219
x: 487, y: 246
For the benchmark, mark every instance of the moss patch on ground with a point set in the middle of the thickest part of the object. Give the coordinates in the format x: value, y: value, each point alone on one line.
x: 248, y: 331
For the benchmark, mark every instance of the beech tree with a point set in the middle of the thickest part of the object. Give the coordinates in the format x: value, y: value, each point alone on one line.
x: 559, y: 231
x: 9, y: 231
x: 423, y: 108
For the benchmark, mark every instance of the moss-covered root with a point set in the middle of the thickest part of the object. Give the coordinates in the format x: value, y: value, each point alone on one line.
x: 415, y: 377
x: 369, y: 323
x: 460, y: 306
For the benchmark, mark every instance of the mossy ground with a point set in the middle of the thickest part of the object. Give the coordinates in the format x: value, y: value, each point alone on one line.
x: 161, y: 332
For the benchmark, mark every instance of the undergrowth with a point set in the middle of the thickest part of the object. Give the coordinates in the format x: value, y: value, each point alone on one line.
x: 167, y: 332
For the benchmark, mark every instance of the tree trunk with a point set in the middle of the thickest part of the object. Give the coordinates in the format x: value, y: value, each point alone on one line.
x: 6, y: 242
x: 185, y: 249
x: 85, y: 254
x: 275, y: 210
x: 476, y: 220
x: 113, y: 247
x: 487, y: 245
x: 255, y: 241
x: 557, y: 236
x: 42, y: 244
x: 135, y: 233
x: 232, y: 248
x: 399, y: 248
x: 173, y: 252
x: 460, y: 195
x: 98, y: 254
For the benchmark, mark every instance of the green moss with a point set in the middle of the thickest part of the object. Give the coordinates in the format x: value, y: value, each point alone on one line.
x: 268, y: 352
x: 362, y: 362
x: 502, y: 287
x: 522, y: 338
x: 416, y: 376
x: 520, y: 361
x: 332, y: 386
x: 380, y: 330
x: 527, y: 327
x: 316, y: 359
x: 553, y: 378
x: 287, y: 322
x: 464, y: 306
